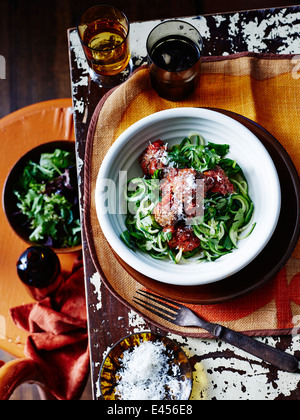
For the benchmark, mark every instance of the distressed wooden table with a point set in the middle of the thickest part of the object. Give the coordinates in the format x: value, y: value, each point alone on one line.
x: 221, y: 371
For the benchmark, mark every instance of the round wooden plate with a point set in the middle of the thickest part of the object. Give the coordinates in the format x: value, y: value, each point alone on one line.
x: 275, y: 255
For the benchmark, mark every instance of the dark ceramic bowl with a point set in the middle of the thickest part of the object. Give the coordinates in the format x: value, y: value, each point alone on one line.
x: 176, y: 357
x: 17, y: 221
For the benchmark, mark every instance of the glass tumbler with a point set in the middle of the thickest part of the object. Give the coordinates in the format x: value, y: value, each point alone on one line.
x: 174, y: 50
x: 104, y: 34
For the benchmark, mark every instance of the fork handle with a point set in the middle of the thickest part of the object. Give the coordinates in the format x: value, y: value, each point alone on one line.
x: 278, y: 358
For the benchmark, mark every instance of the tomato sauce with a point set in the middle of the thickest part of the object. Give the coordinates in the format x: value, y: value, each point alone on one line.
x: 178, y: 194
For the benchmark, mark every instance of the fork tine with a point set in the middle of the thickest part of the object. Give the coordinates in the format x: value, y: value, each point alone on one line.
x: 159, y: 299
x: 159, y: 305
x: 153, y: 309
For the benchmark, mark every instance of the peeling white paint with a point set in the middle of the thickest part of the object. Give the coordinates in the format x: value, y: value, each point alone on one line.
x: 136, y: 322
x: 97, y: 389
x: 240, y: 377
x: 233, y: 28
x: 200, y: 23
x: 219, y: 19
x: 256, y: 34
x: 80, y: 164
x: 78, y: 50
x: 96, y: 282
x: 80, y: 107
x: 80, y: 60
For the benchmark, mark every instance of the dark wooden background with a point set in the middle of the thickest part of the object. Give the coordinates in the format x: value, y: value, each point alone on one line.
x: 33, y: 39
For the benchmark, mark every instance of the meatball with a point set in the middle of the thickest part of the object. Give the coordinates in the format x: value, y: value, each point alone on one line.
x: 181, y: 196
x: 154, y: 158
x: 218, y: 182
x: 183, y: 237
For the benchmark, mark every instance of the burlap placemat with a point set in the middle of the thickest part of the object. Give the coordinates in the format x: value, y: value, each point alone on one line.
x: 264, y: 88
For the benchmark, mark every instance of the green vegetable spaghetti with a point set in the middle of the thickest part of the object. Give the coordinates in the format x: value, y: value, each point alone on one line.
x: 193, y: 201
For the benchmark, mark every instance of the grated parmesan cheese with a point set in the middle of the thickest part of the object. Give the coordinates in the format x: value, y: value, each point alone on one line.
x: 146, y: 374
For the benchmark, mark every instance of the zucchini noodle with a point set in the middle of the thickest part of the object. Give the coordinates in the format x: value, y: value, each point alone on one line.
x: 227, y: 216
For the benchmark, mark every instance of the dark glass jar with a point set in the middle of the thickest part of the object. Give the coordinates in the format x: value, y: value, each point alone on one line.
x: 40, y: 271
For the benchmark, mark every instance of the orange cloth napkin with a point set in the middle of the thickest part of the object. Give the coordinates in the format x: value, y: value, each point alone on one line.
x: 261, y: 87
x: 58, y: 340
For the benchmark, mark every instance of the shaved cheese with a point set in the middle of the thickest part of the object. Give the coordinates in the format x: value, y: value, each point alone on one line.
x: 146, y: 374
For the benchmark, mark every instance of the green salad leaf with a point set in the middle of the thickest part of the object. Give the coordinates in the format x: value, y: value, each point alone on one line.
x: 194, y: 153
x: 49, y: 200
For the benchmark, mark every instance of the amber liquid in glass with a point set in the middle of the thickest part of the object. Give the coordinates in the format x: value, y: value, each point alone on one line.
x: 108, y: 45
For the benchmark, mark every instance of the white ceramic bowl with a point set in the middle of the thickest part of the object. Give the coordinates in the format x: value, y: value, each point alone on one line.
x: 172, y: 126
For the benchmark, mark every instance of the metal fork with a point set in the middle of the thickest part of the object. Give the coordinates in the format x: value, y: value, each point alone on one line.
x: 182, y: 316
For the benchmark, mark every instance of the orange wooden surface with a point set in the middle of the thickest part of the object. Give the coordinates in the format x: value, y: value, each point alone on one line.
x: 20, y: 132
x: 16, y: 373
